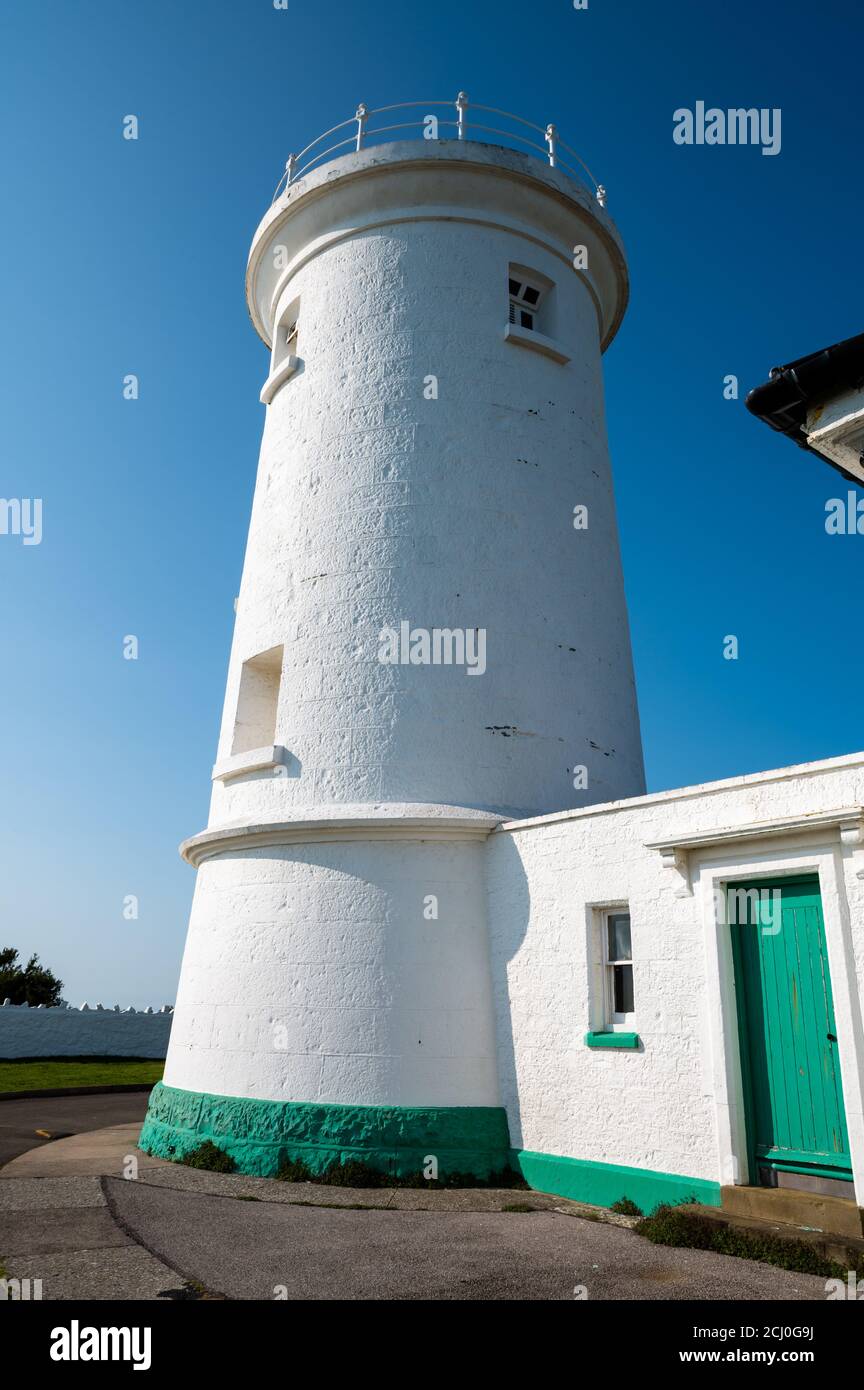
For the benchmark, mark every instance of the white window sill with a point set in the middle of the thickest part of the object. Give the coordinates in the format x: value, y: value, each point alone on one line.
x: 275, y: 379
x: 526, y: 337
x: 254, y: 760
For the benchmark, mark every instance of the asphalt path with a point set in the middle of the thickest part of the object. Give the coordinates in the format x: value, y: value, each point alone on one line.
x: 177, y: 1230
x: 59, y: 1116
x: 267, y: 1250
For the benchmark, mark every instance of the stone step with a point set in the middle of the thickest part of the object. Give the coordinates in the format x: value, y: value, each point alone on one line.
x: 786, y: 1206
x: 845, y: 1251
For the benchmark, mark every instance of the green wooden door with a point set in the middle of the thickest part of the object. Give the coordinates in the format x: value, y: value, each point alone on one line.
x: 789, y: 1059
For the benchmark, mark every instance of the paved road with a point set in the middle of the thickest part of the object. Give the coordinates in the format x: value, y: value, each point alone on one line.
x: 73, y: 1217
x: 248, y: 1250
x: 62, y: 1115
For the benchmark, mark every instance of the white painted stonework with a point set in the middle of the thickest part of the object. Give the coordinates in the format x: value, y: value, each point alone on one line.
x: 333, y: 987
x: 675, y: 1105
x: 313, y: 970
x: 375, y: 505
x: 375, y: 920
x: 85, y: 1032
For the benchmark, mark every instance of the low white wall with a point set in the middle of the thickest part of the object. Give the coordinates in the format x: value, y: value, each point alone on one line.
x: 84, y: 1032
x: 674, y: 1105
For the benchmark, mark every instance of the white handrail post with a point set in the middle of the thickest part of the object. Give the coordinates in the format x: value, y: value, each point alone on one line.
x: 551, y: 143
x: 551, y: 138
x: 360, y: 116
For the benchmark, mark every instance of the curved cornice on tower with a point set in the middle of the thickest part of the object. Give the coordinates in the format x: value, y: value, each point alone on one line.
x: 415, y: 181
x: 334, y: 824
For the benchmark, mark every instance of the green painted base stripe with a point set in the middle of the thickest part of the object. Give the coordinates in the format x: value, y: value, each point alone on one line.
x: 601, y: 1184
x: 260, y: 1134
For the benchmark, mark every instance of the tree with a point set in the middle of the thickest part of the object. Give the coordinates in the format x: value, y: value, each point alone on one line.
x: 29, y: 984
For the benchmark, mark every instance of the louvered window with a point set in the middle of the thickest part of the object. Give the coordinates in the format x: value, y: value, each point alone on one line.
x: 524, y: 299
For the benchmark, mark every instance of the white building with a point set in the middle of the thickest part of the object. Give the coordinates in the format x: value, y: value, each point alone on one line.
x: 435, y: 913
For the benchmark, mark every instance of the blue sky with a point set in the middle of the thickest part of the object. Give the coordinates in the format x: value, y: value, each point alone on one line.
x: 123, y: 256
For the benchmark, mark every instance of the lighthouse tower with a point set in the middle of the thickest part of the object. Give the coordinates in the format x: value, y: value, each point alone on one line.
x: 431, y: 637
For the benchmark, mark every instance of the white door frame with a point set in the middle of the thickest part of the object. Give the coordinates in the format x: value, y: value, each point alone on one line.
x: 711, y: 872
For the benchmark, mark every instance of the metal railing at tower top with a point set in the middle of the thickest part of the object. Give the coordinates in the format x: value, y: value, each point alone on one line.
x: 428, y: 125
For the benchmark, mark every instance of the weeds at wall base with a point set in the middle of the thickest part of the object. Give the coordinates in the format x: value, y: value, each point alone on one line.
x: 351, y: 1173
x: 354, y: 1173
x: 685, y: 1230
x: 624, y: 1207
x: 209, y: 1157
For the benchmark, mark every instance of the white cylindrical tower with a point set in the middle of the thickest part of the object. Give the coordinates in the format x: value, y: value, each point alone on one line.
x: 431, y: 636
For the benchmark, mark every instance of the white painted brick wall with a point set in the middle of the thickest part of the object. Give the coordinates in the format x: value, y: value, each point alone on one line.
x: 655, y: 1108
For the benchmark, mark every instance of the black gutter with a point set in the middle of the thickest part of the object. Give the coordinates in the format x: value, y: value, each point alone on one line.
x: 791, y: 392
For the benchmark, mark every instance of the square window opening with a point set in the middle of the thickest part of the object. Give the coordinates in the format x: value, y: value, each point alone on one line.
x: 531, y: 298
x: 258, y: 702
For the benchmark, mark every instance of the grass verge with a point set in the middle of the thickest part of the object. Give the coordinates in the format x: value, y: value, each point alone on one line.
x: 56, y: 1073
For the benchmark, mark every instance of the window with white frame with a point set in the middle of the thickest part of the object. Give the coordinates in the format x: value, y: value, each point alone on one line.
x: 524, y: 302
x: 618, y: 967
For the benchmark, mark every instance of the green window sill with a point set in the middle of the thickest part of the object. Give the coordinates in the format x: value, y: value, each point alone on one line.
x: 630, y: 1040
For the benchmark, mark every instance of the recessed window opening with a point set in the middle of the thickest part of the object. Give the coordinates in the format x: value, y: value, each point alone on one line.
x: 286, y: 337
x: 524, y: 303
x: 618, y: 967
x: 258, y: 701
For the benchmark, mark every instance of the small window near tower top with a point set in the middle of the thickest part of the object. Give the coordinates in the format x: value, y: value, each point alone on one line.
x: 284, y: 359
x: 286, y: 336
x: 524, y: 303
x: 534, y: 313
